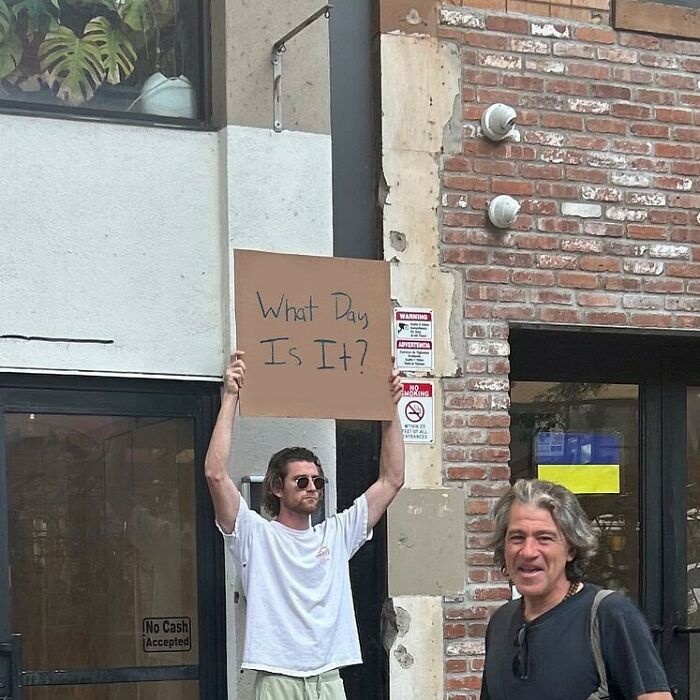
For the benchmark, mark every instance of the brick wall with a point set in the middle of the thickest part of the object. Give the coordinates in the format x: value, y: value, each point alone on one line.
x: 595, y: 11
x: 606, y: 164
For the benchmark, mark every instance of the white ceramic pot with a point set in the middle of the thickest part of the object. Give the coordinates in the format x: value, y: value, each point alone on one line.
x: 168, y: 97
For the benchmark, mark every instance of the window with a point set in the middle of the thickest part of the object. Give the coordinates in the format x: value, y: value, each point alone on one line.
x: 678, y: 18
x: 121, y: 57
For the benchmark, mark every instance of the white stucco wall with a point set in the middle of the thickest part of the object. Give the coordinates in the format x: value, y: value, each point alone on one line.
x: 109, y: 232
x: 279, y: 191
x: 125, y: 233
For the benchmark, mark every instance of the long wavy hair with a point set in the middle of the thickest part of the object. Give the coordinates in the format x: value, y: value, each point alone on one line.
x: 277, y: 471
x: 566, y: 512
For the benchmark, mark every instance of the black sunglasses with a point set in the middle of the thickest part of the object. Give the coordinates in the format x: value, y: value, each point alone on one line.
x: 520, y: 662
x: 303, y: 481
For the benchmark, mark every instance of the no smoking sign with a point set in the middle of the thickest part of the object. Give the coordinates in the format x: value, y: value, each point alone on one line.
x: 416, y: 411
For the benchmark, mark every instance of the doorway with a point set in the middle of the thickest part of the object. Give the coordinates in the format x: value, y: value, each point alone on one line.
x: 108, y: 556
x: 620, y: 415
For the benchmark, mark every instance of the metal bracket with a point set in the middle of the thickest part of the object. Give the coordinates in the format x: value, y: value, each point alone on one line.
x: 278, y: 48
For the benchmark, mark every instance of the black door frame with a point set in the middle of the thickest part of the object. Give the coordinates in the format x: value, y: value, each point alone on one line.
x: 130, y: 397
x: 662, y: 366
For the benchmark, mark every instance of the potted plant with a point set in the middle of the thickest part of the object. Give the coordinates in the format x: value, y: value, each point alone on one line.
x: 73, y: 49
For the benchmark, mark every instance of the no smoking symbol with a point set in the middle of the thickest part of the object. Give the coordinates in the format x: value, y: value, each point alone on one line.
x: 414, y: 411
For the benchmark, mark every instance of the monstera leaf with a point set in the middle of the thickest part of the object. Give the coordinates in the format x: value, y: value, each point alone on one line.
x: 41, y: 14
x: 116, y: 51
x: 5, y: 20
x: 10, y: 54
x: 72, y: 64
x: 137, y: 14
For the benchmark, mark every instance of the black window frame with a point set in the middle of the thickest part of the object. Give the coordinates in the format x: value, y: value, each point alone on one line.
x: 204, y: 95
x: 111, y: 396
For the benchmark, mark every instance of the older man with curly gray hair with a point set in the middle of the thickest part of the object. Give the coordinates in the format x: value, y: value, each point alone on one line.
x: 539, y: 647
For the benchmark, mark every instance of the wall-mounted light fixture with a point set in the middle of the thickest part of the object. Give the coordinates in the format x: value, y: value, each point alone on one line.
x: 498, y: 121
x: 503, y: 210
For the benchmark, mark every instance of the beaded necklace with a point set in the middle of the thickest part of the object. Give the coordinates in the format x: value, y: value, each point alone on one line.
x: 572, y: 590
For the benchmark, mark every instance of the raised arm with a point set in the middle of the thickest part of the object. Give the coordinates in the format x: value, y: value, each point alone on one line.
x: 224, y: 493
x: 392, y: 460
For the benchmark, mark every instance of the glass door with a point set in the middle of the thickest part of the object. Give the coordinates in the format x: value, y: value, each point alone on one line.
x: 106, y: 545
x: 617, y: 419
x: 693, y: 536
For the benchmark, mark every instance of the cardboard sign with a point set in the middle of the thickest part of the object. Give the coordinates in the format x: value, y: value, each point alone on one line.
x: 416, y: 410
x: 317, y: 336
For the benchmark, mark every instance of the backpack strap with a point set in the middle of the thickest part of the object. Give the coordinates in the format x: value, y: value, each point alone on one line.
x: 596, y: 645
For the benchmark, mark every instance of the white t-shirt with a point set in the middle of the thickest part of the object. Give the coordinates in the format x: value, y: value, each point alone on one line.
x: 300, y: 619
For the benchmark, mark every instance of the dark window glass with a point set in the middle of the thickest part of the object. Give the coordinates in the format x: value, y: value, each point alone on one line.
x: 595, y: 428
x: 140, y: 57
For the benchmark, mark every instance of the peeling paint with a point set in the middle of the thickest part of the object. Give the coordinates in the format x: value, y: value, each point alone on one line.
x: 461, y: 18
x: 561, y: 32
x: 398, y: 240
x: 413, y: 17
x: 402, y: 655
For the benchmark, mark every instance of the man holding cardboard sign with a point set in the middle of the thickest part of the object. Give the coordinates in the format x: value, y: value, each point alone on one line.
x: 300, y: 621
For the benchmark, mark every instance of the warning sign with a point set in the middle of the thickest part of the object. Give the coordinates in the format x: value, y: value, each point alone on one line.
x: 411, y: 324
x: 416, y: 411
x: 414, y: 355
x: 167, y: 634
x: 413, y: 339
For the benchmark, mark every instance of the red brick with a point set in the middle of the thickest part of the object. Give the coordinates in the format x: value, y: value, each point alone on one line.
x: 631, y: 111
x: 488, y: 274
x: 646, y: 232
x: 633, y: 75
x: 640, y: 41
x: 589, y: 70
x: 532, y: 277
x: 460, y: 182
x: 495, y: 167
x: 595, y: 34
x: 522, y: 82
x: 559, y: 190
x: 676, y: 82
x: 455, y: 666
x: 684, y: 201
x: 578, y: 280
x: 609, y: 126
x: 662, y: 286
x: 599, y: 263
x: 542, y: 172
x: 597, y: 177
x: 552, y: 296
x: 567, y: 87
x: 465, y: 256
x: 651, y: 320
x: 514, y: 187
x: 674, y: 116
x: 552, y: 120
x: 559, y: 316
x: 454, y: 631
x: 610, y: 91
x: 485, y: 41
x: 536, y: 242
x: 653, y: 130
x: 683, y: 269
x: 480, y: 77
x: 660, y: 97
x: 509, y: 25
x: 598, y: 299
x: 606, y: 318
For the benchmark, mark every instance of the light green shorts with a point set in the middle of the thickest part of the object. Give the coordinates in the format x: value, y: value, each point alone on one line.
x: 272, y: 686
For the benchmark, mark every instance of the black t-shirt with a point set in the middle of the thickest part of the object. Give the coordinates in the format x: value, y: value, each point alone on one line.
x: 560, y: 664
